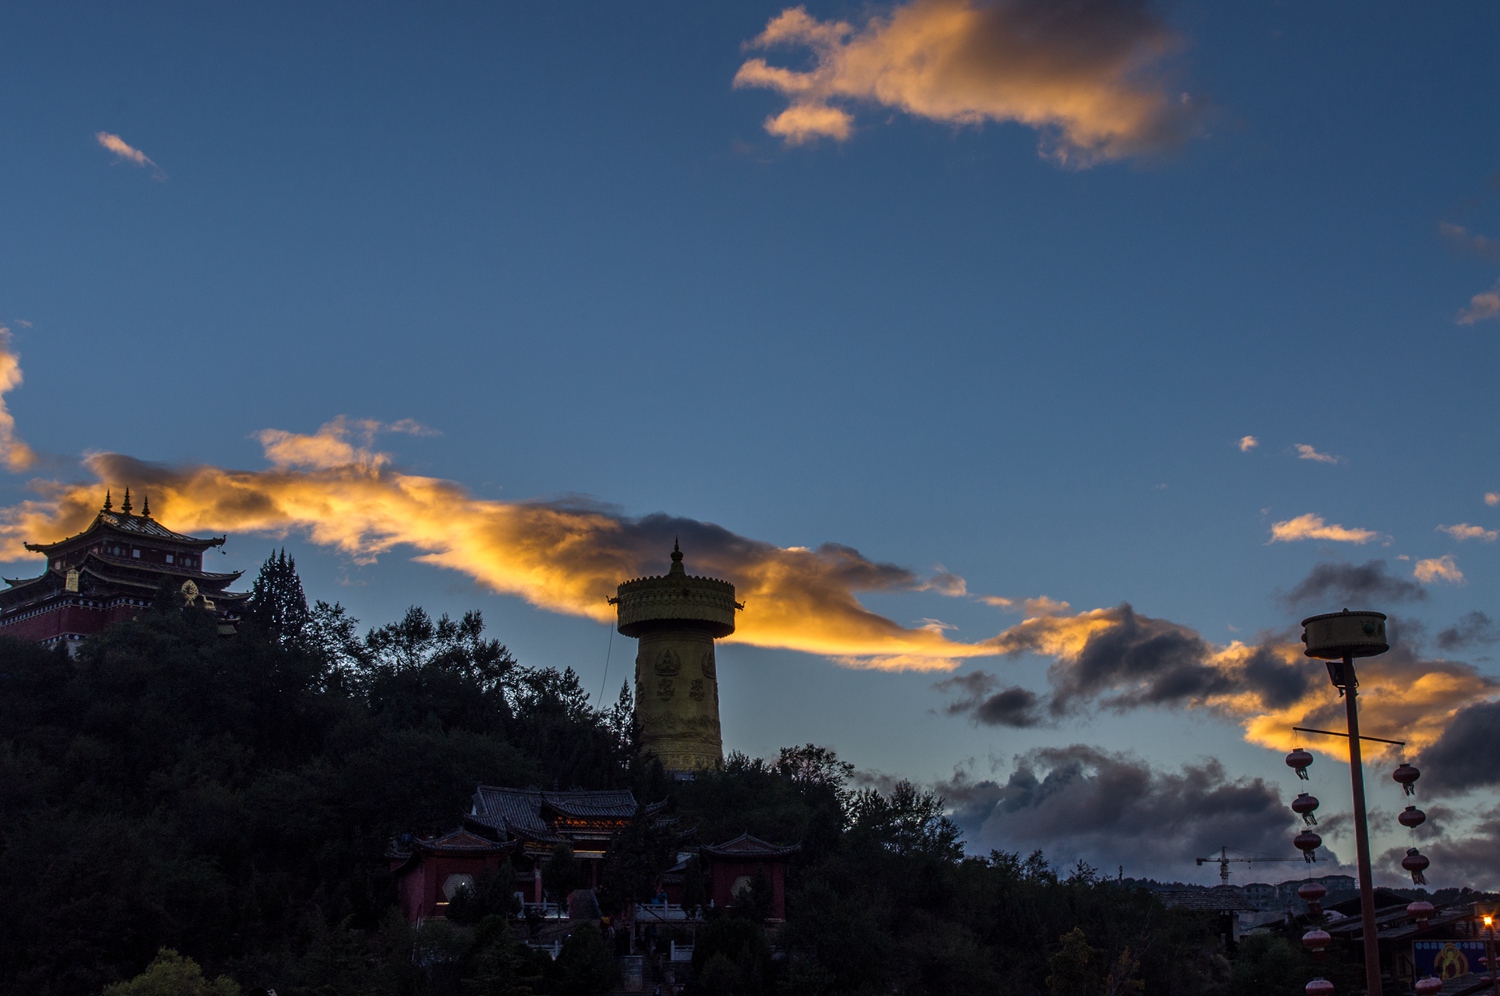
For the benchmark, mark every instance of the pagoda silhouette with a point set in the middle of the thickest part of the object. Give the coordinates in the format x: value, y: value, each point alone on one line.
x: 121, y: 564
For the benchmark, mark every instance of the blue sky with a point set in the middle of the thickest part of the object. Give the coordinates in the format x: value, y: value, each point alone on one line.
x: 564, y: 240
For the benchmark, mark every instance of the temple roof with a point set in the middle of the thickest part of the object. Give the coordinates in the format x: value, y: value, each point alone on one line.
x: 459, y: 843
x: 136, y: 527
x: 523, y: 812
x: 106, y: 568
x: 748, y: 848
x: 101, y: 582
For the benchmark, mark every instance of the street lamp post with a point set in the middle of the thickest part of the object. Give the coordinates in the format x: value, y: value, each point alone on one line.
x: 1337, y: 638
x: 1494, y: 967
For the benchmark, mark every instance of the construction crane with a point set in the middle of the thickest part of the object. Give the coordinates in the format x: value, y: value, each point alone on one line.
x: 1223, y: 860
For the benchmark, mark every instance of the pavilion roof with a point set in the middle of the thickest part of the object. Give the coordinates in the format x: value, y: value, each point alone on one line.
x: 523, y: 812
x: 107, y: 568
x: 748, y: 848
x: 454, y: 843
x: 133, y: 526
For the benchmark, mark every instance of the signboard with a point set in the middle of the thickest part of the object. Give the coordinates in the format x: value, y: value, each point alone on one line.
x: 1447, y: 959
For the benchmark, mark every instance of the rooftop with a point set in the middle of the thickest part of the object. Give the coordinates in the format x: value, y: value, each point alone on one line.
x: 141, y: 526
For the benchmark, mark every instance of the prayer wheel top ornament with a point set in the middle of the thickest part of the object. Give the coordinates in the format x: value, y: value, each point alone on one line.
x: 677, y: 617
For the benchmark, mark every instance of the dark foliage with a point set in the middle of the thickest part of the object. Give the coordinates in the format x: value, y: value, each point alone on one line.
x: 277, y: 603
x: 231, y: 799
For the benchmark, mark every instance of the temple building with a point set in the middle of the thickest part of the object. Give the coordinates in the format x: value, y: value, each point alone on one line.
x: 110, y: 572
x: 536, y: 821
x: 524, y: 827
x: 524, y: 824
x: 677, y: 617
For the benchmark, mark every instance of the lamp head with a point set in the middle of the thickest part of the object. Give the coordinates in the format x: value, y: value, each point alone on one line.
x: 1336, y: 635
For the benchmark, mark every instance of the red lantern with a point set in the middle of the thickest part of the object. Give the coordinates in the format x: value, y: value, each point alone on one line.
x: 1407, y: 776
x: 1311, y: 892
x: 1319, y: 987
x: 1411, y: 817
x: 1298, y: 760
x: 1307, y: 842
x: 1304, y: 805
x: 1415, y: 863
x: 1317, y: 942
x: 1429, y: 986
x: 1420, y: 911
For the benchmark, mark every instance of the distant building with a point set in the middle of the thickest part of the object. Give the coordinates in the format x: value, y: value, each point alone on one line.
x: 535, y: 822
x: 111, y: 571
x: 734, y: 865
x: 430, y: 870
x: 525, y: 826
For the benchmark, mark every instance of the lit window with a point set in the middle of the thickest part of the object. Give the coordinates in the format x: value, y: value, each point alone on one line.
x: 169, y: 558
x: 453, y: 883
x: 135, y: 553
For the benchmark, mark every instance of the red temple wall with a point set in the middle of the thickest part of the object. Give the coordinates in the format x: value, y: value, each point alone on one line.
x: 83, y: 620
x: 724, y: 874
x: 421, y: 888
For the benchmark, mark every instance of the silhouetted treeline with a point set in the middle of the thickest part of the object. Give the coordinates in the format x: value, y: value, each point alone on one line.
x: 231, y: 799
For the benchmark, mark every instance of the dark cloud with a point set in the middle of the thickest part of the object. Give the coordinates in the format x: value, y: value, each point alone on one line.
x: 1155, y: 660
x: 1467, y: 860
x: 1279, y: 684
x: 1141, y: 661
x: 979, y: 699
x: 1113, y: 809
x: 1352, y: 584
x: 1472, y: 629
x: 1467, y: 755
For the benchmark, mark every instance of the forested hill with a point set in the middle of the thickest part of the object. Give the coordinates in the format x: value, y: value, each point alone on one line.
x: 231, y: 798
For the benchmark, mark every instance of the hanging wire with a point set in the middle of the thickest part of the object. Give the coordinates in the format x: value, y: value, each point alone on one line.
x: 604, y: 682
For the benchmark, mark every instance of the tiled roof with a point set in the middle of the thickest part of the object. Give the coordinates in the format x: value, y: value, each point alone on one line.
x: 460, y: 842
x: 177, y: 570
x: 454, y: 843
x: 518, y: 812
x: 747, y: 847
x: 134, y: 525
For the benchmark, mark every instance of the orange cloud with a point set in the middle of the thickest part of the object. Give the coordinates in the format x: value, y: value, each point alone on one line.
x: 1464, y: 531
x: 14, y: 453
x: 568, y: 557
x: 1119, y: 659
x: 1248, y: 443
x: 1438, y: 569
x: 565, y: 557
x: 1492, y: 498
x: 1400, y: 698
x: 125, y: 152
x: 1088, y: 76
x: 1310, y: 526
x: 1039, y: 606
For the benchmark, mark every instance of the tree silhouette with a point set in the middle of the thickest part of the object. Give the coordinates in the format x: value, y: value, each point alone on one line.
x: 277, y: 603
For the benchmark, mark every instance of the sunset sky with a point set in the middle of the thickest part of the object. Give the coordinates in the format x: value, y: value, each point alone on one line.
x: 1031, y: 368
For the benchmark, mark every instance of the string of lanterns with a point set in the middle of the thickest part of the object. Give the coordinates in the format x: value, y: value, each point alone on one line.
x: 1316, y: 940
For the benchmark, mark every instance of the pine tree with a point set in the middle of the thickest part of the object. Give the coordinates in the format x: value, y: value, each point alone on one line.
x: 277, y: 603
